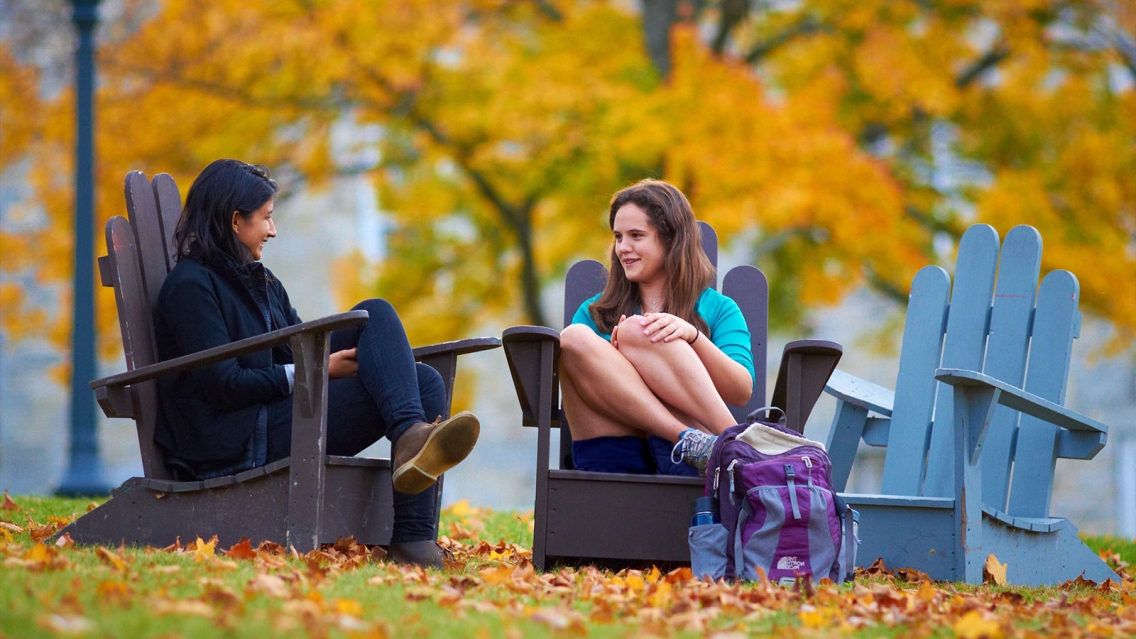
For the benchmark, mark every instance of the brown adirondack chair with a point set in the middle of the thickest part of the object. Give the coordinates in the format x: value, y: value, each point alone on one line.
x: 304, y: 500
x: 619, y: 520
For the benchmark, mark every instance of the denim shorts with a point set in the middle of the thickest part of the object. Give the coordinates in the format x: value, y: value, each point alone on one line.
x: 631, y: 455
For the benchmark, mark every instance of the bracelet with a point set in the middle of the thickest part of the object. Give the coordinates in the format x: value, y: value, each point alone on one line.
x: 697, y: 333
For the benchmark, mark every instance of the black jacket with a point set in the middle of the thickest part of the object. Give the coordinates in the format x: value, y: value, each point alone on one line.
x: 208, y: 414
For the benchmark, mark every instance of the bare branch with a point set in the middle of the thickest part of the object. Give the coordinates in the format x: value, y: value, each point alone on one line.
x: 802, y: 27
x: 732, y: 13
x: 989, y: 60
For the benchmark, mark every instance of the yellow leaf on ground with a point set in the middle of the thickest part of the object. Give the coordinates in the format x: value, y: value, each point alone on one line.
x: 204, y: 550
x: 497, y: 575
x: 349, y: 607
x: 37, y: 553
x: 994, y: 571
x: 110, y: 558
x: 972, y: 625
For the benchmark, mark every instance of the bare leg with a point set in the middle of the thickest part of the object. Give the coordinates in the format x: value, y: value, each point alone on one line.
x: 674, y: 373
x: 603, y: 394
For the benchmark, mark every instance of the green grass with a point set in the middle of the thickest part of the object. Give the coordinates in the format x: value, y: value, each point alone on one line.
x: 162, y: 594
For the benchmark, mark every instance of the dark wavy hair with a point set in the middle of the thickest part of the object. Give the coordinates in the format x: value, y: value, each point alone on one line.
x: 206, y: 225
x: 688, y: 269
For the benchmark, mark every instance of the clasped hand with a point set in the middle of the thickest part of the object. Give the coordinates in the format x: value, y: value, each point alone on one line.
x: 343, y: 363
x: 660, y: 326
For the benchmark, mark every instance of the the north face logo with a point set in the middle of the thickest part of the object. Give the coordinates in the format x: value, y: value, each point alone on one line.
x: 789, y: 563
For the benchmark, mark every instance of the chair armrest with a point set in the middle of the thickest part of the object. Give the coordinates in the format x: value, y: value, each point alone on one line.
x: 806, y: 365
x: 859, y: 392
x: 229, y: 351
x: 457, y: 347
x: 1019, y: 400
x: 523, y: 351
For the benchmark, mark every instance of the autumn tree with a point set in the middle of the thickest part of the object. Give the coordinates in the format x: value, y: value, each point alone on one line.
x: 832, y: 132
x: 1009, y: 112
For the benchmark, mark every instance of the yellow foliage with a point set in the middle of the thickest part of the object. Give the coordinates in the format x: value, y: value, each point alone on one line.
x: 506, y: 129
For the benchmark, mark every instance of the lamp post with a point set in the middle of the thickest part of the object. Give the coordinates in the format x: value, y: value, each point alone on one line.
x: 84, y: 472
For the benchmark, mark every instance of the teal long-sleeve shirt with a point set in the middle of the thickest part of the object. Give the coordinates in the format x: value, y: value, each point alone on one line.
x: 728, y: 328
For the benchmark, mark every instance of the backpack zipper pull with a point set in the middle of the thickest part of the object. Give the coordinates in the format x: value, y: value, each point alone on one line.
x: 730, y: 471
x: 717, y: 471
x: 808, y: 462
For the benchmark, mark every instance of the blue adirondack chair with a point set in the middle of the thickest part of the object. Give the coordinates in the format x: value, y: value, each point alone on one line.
x: 975, y: 424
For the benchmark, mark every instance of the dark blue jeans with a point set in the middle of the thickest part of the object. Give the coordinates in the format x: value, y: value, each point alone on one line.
x: 390, y: 393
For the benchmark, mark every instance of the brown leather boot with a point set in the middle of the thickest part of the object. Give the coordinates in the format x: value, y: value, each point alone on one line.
x: 427, y: 554
x: 427, y: 450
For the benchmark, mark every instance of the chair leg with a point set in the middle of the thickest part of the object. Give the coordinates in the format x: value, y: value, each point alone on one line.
x: 309, y: 441
x: 843, y: 441
x: 544, y: 436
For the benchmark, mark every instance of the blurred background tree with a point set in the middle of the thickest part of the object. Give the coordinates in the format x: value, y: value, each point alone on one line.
x: 846, y: 142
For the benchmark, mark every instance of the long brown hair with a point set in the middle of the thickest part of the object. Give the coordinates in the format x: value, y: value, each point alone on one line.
x: 688, y: 269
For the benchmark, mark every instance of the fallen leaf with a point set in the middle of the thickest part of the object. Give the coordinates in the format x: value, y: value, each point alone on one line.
x: 878, y: 568
x: 190, y: 607
x: 8, y: 503
x: 114, y: 591
x: 39, y: 532
x: 64, y: 541
x: 1079, y: 582
x: 174, y: 547
x: 910, y: 575
x: 241, y: 550
x: 994, y: 571
x: 219, y: 594
x: 10, y: 527
x: 271, y: 585
x: 348, y: 607
x: 497, y: 575
x: 973, y: 625
x: 110, y: 558
x: 204, y: 550
x: 270, y: 547
x: 66, y: 624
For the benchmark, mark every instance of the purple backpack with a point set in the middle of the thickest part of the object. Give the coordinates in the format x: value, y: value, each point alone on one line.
x: 777, y: 509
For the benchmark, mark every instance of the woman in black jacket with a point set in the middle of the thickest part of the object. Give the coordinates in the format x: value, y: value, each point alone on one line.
x: 237, y: 414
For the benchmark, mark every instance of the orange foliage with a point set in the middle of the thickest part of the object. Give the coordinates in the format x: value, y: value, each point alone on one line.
x: 506, y: 127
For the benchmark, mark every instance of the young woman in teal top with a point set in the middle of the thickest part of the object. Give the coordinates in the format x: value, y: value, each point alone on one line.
x: 648, y: 366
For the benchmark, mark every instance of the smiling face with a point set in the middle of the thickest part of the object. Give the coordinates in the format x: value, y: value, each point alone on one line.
x: 255, y: 230
x: 638, y: 246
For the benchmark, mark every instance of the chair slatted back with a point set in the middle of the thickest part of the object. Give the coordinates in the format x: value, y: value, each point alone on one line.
x: 1006, y: 349
x: 999, y: 322
x: 745, y: 284
x: 169, y: 212
x: 142, y: 208
x: 139, y: 258
x: 1056, y: 324
x: 136, y: 322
